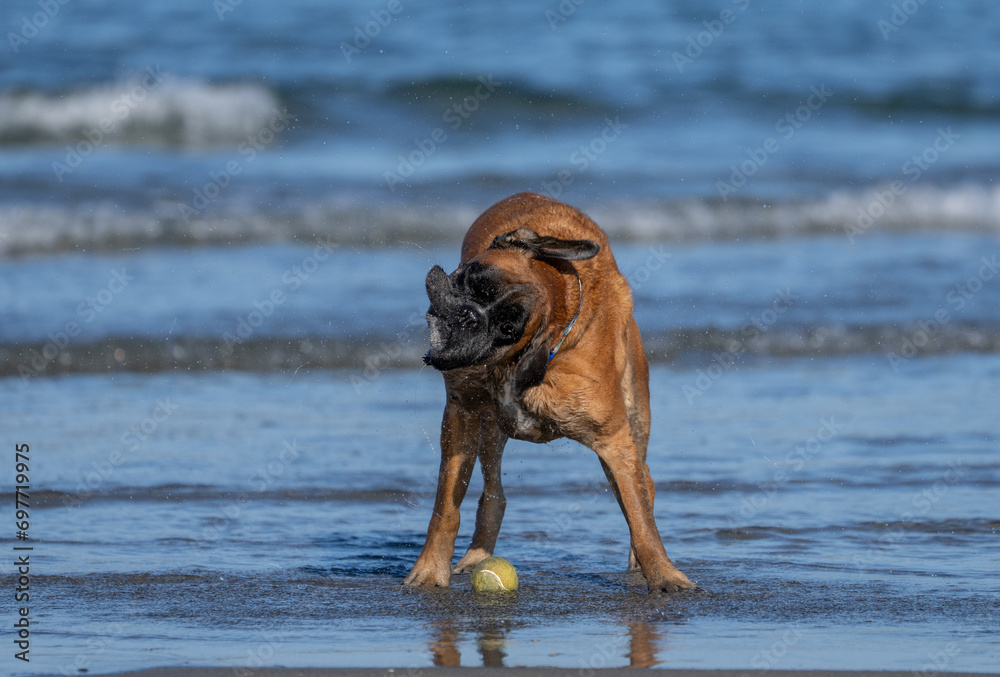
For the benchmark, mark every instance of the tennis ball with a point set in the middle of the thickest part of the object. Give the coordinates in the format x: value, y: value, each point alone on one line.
x: 494, y: 574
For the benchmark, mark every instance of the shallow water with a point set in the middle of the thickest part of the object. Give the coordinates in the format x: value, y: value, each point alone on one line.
x: 826, y: 473
x: 114, y: 134
x: 211, y: 328
x: 286, y: 306
x: 835, y: 514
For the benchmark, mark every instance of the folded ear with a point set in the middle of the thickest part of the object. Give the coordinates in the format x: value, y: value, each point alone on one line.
x: 545, y: 247
x: 531, y: 367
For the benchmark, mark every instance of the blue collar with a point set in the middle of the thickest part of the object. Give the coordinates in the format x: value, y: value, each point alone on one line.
x: 569, y: 327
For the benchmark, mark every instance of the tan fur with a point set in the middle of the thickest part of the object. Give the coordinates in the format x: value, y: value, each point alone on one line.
x: 595, y: 391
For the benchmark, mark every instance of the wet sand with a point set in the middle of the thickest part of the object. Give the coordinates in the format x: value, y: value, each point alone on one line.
x: 581, y: 623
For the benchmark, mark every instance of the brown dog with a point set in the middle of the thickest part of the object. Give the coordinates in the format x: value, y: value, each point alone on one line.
x: 535, y: 335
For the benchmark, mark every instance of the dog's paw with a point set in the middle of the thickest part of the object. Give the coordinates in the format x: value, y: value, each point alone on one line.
x: 428, y: 575
x: 671, y: 582
x: 469, y: 560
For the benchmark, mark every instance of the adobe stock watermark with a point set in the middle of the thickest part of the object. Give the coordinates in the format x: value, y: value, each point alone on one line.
x: 86, y: 312
x: 263, y: 653
x: 957, y: 297
x: 939, y: 660
x: 247, y: 150
x: 942, y: 658
x: 901, y: 13
x: 365, y: 33
x: 606, y: 653
x: 787, y: 127
x: 769, y: 657
x: 725, y: 360
x: 454, y: 116
x: 699, y: 42
x: 121, y: 109
x: 31, y: 26
x: 582, y: 158
x: 97, y: 644
x: 261, y: 479
x: 224, y: 7
x: 292, y: 279
x: 794, y: 462
x: 131, y: 441
x: 385, y: 354
x: 565, y: 519
x: 417, y: 500
x: 920, y: 504
x: 656, y: 260
x: 914, y: 169
x: 562, y: 12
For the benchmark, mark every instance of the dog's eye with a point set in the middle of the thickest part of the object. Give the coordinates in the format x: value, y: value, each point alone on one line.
x: 480, y: 282
x: 509, y: 322
x: 482, y: 288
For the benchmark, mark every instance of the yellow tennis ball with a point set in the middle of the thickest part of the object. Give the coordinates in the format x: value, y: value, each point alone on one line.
x: 494, y: 574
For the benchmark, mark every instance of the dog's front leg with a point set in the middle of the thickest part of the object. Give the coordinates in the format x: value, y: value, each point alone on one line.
x: 492, y: 503
x: 458, y: 458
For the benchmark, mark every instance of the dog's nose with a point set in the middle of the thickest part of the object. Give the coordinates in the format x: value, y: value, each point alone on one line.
x: 439, y: 288
x: 469, y: 318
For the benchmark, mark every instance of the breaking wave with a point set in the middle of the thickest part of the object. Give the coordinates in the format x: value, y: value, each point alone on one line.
x: 173, y: 113
x: 107, y: 227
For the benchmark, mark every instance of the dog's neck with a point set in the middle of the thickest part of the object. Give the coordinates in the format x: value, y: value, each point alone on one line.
x: 569, y: 327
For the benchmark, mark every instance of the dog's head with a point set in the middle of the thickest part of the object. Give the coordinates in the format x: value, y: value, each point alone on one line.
x: 491, y: 307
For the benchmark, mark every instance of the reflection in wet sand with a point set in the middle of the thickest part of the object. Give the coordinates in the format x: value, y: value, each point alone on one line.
x: 644, y: 643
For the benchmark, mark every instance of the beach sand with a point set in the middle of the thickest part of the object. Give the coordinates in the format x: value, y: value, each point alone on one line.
x: 577, y: 621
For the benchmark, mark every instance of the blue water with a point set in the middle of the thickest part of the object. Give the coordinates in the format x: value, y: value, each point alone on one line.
x: 283, y: 510
x: 214, y: 230
x: 181, y: 105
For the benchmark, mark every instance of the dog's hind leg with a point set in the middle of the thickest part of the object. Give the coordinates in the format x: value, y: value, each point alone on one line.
x: 629, y: 476
x: 492, y: 503
x: 633, y: 560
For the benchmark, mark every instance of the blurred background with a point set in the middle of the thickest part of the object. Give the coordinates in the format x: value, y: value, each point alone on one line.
x: 155, y: 101
x: 215, y: 221
x: 199, y: 126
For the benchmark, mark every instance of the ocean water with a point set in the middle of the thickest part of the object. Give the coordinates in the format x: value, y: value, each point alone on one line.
x: 215, y: 222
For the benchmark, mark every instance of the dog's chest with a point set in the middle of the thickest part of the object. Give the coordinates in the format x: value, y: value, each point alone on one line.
x: 517, y: 422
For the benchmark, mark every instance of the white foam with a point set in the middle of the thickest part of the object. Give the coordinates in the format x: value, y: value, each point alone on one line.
x: 967, y: 207
x: 153, y: 108
x: 106, y: 226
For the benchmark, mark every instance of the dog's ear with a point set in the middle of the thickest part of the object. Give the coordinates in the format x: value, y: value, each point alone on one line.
x: 531, y: 367
x: 545, y: 247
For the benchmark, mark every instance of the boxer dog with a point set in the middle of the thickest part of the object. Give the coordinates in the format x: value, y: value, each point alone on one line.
x: 535, y: 337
